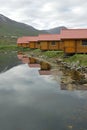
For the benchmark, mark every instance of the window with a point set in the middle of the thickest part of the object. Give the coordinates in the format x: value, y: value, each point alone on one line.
x: 53, y: 43
x: 84, y: 42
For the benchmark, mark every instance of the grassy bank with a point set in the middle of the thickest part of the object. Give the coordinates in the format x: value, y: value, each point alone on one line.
x: 54, y: 55
x: 7, y: 40
x: 51, y: 56
x: 81, y: 58
x: 8, y: 48
x: 12, y: 48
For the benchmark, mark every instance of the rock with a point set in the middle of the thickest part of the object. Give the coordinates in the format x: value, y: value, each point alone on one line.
x: 69, y: 87
x: 59, y: 60
x: 32, y: 60
x: 70, y: 126
x: 85, y: 85
x: 45, y: 66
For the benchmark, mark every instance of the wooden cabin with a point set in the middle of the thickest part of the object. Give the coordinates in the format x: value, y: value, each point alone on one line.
x: 28, y: 41
x: 33, y: 42
x: 23, y: 42
x: 49, y: 41
x: 38, y: 45
x: 74, y: 40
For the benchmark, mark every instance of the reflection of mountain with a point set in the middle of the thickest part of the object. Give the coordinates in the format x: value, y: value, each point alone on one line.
x: 8, y: 60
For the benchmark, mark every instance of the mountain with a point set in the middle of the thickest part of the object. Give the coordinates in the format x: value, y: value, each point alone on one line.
x: 56, y: 30
x: 10, y: 27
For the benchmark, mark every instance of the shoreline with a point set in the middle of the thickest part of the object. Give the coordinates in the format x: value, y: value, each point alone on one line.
x: 57, y: 60
x: 73, y: 77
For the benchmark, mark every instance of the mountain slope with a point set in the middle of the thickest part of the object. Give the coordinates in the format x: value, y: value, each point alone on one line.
x: 10, y: 27
x: 56, y: 30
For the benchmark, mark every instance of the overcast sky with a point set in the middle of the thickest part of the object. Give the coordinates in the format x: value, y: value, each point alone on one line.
x: 46, y: 14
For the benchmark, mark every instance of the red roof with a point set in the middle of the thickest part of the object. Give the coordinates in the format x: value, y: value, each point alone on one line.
x: 49, y: 37
x: 27, y: 39
x: 74, y: 34
x: 23, y: 40
x: 33, y: 38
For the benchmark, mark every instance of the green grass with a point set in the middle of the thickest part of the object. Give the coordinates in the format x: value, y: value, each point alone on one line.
x: 51, y: 54
x: 8, y: 48
x: 7, y: 41
x: 82, y: 58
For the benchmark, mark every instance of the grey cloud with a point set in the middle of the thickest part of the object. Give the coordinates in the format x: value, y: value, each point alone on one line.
x: 43, y: 14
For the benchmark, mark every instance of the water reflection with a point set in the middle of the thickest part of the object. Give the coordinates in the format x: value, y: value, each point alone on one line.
x: 8, y: 60
x: 29, y: 101
x: 45, y: 68
x: 66, y: 75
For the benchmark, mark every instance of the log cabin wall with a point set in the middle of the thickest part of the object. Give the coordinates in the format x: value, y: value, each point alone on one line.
x: 61, y: 45
x: 25, y: 45
x: 69, y: 46
x: 19, y: 44
x: 32, y: 45
x: 49, y: 41
x: 44, y: 45
x: 53, y: 45
x: 50, y: 45
x: 82, y: 46
x: 75, y: 40
x: 75, y: 46
x: 38, y: 45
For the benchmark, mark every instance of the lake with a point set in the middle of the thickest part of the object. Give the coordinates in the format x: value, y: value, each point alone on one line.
x: 30, y: 101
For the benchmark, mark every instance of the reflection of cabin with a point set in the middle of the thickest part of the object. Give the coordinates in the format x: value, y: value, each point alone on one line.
x: 23, y: 41
x: 32, y: 60
x: 35, y: 65
x: 49, y: 41
x: 44, y: 68
x: 74, y: 40
x: 25, y: 59
x: 44, y: 72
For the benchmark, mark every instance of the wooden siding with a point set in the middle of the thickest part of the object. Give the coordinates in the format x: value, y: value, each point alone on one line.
x: 32, y: 45
x: 48, y: 45
x: 38, y: 45
x: 19, y: 44
x: 69, y: 46
x: 25, y: 45
x: 44, y: 45
x: 61, y: 45
x: 81, y: 48
x: 56, y: 46
x: 74, y: 46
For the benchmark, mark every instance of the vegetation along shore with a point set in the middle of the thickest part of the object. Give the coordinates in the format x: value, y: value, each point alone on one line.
x: 74, y: 67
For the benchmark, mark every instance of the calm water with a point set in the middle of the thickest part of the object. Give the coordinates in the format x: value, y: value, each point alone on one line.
x: 30, y: 101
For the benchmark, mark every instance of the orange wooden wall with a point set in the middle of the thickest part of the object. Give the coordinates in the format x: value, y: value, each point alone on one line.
x: 74, y: 46
x: 32, y: 45
x: 47, y: 45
